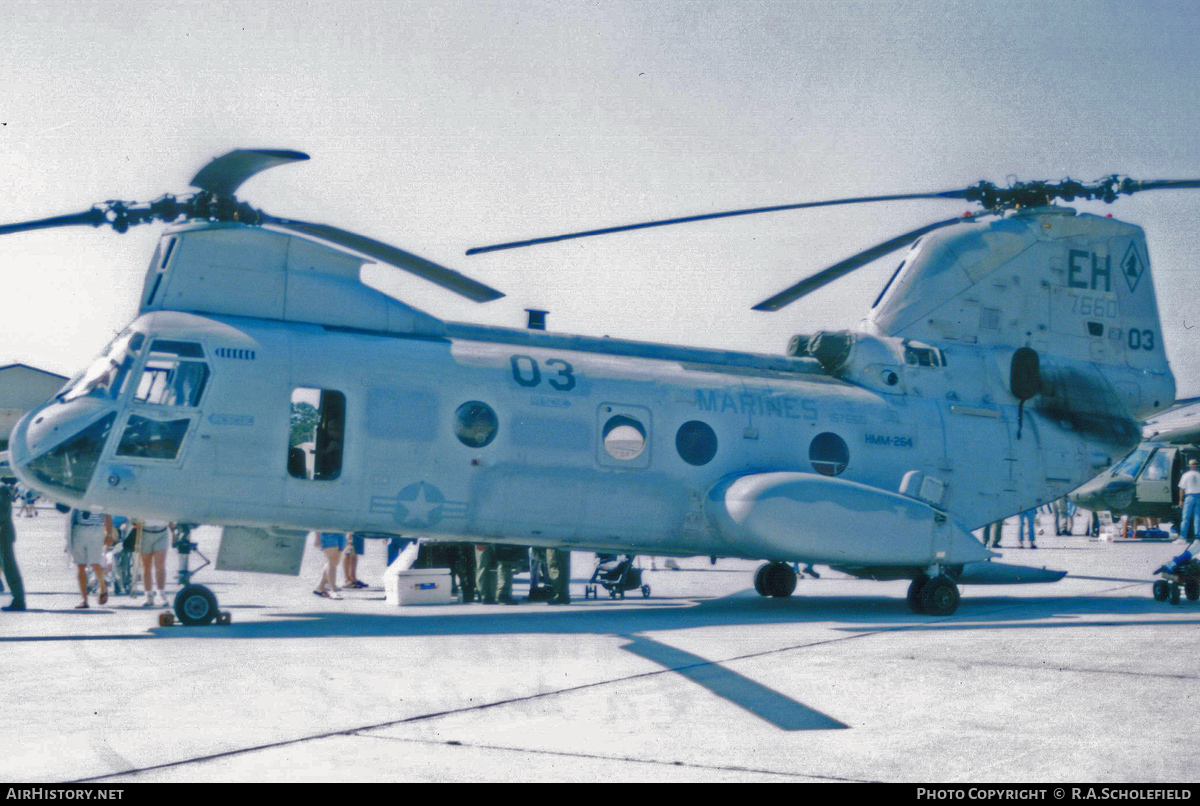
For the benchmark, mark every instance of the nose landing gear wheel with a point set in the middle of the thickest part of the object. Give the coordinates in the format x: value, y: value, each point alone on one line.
x: 195, y: 605
x: 939, y: 597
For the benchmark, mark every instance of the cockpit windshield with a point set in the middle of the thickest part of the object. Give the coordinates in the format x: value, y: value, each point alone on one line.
x: 1132, y: 463
x: 105, y: 378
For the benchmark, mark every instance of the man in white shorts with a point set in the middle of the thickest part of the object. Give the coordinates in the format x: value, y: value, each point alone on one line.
x: 88, y: 536
x: 153, y: 541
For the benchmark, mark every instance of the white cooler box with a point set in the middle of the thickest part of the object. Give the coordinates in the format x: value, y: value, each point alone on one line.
x: 418, y: 586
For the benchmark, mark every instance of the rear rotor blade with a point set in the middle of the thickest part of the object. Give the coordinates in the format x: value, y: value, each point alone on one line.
x: 94, y: 217
x: 226, y: 173
x: 428, y: 270
x: 950, y: 194
x: 824, y: 278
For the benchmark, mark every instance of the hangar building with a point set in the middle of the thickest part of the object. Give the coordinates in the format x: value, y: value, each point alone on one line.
x: 22, y: 388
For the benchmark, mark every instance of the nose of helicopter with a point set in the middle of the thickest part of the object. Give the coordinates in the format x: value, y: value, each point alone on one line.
x: 1104, y: 493
x: 55, y: 448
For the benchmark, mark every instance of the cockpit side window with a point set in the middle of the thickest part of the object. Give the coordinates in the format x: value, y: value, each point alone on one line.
x: 168, y: 379
x: 1159, y: 467
x: 318, y: 427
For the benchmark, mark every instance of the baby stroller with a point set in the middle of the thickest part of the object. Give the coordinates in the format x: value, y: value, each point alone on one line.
x: 616, y: 575
x: 120, y: 571
x: 125, y: 571
x: 1181, y: 572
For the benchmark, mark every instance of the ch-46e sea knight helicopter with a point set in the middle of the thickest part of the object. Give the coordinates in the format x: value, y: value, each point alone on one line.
x: 265, y: 388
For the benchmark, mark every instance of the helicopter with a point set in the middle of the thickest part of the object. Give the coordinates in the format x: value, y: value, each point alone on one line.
x: 1144, y: 483
x: 263, y: 387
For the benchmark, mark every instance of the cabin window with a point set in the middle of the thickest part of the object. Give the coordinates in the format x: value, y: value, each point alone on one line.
x: 169, y: 378
x: 923, y: 356
x: 829, y: 454
x: 318, y: 427
x: 475, y: 424
x: 696, y: 442
x: 624, y: 438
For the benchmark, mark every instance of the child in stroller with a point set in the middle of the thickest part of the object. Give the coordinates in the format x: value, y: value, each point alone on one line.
x: 616, y: 574
x: 1182, y: 572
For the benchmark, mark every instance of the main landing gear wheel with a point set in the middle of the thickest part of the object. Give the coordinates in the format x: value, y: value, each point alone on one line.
x: 195, y: 605
x: 1173, y: 595
x: 939, y: 597
x: 1162, y: 589
x: 758, y: 579
x: 914, y: 593
x: 775, y: 579
x: 1192, y: 589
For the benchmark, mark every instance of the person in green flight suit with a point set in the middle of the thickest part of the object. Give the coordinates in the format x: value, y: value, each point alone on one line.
x: 494, y: 574
x: 558, y: 568
x: 8, y: 536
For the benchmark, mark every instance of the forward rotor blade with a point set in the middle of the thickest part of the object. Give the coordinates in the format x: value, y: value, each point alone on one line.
x: 824, y: 278
x: 949, y: 194
x: 425, y: 269
x: 1133, y: 185
x: 94, y: 217
x: 226, y: 173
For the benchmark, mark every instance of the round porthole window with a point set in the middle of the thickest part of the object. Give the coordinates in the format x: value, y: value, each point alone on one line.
x: 696, y: 442
x: 828, y: 454
x: 624, y: 438
x: 475, y: 424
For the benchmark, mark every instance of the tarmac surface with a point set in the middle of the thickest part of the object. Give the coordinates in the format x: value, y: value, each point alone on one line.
x: 1088, y: 679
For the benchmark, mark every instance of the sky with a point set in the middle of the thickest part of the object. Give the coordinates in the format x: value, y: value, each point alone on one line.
x: 439, y: 126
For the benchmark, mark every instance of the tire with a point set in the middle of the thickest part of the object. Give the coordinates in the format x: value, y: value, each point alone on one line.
x: 914, y: 593
x: 645, y: 591
x: 779, y: 580
x: 759, y: 579
x: 1192, y: 589
x: 195, y: 605
x: 1161, y: 590
x: 939, y: 597
x: 1174, y: 595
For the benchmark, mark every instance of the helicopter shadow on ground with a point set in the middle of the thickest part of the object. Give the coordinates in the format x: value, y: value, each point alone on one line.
x: 859, y: 615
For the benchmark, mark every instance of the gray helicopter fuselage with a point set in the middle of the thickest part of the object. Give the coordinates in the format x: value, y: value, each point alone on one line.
x: 547, y: 476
